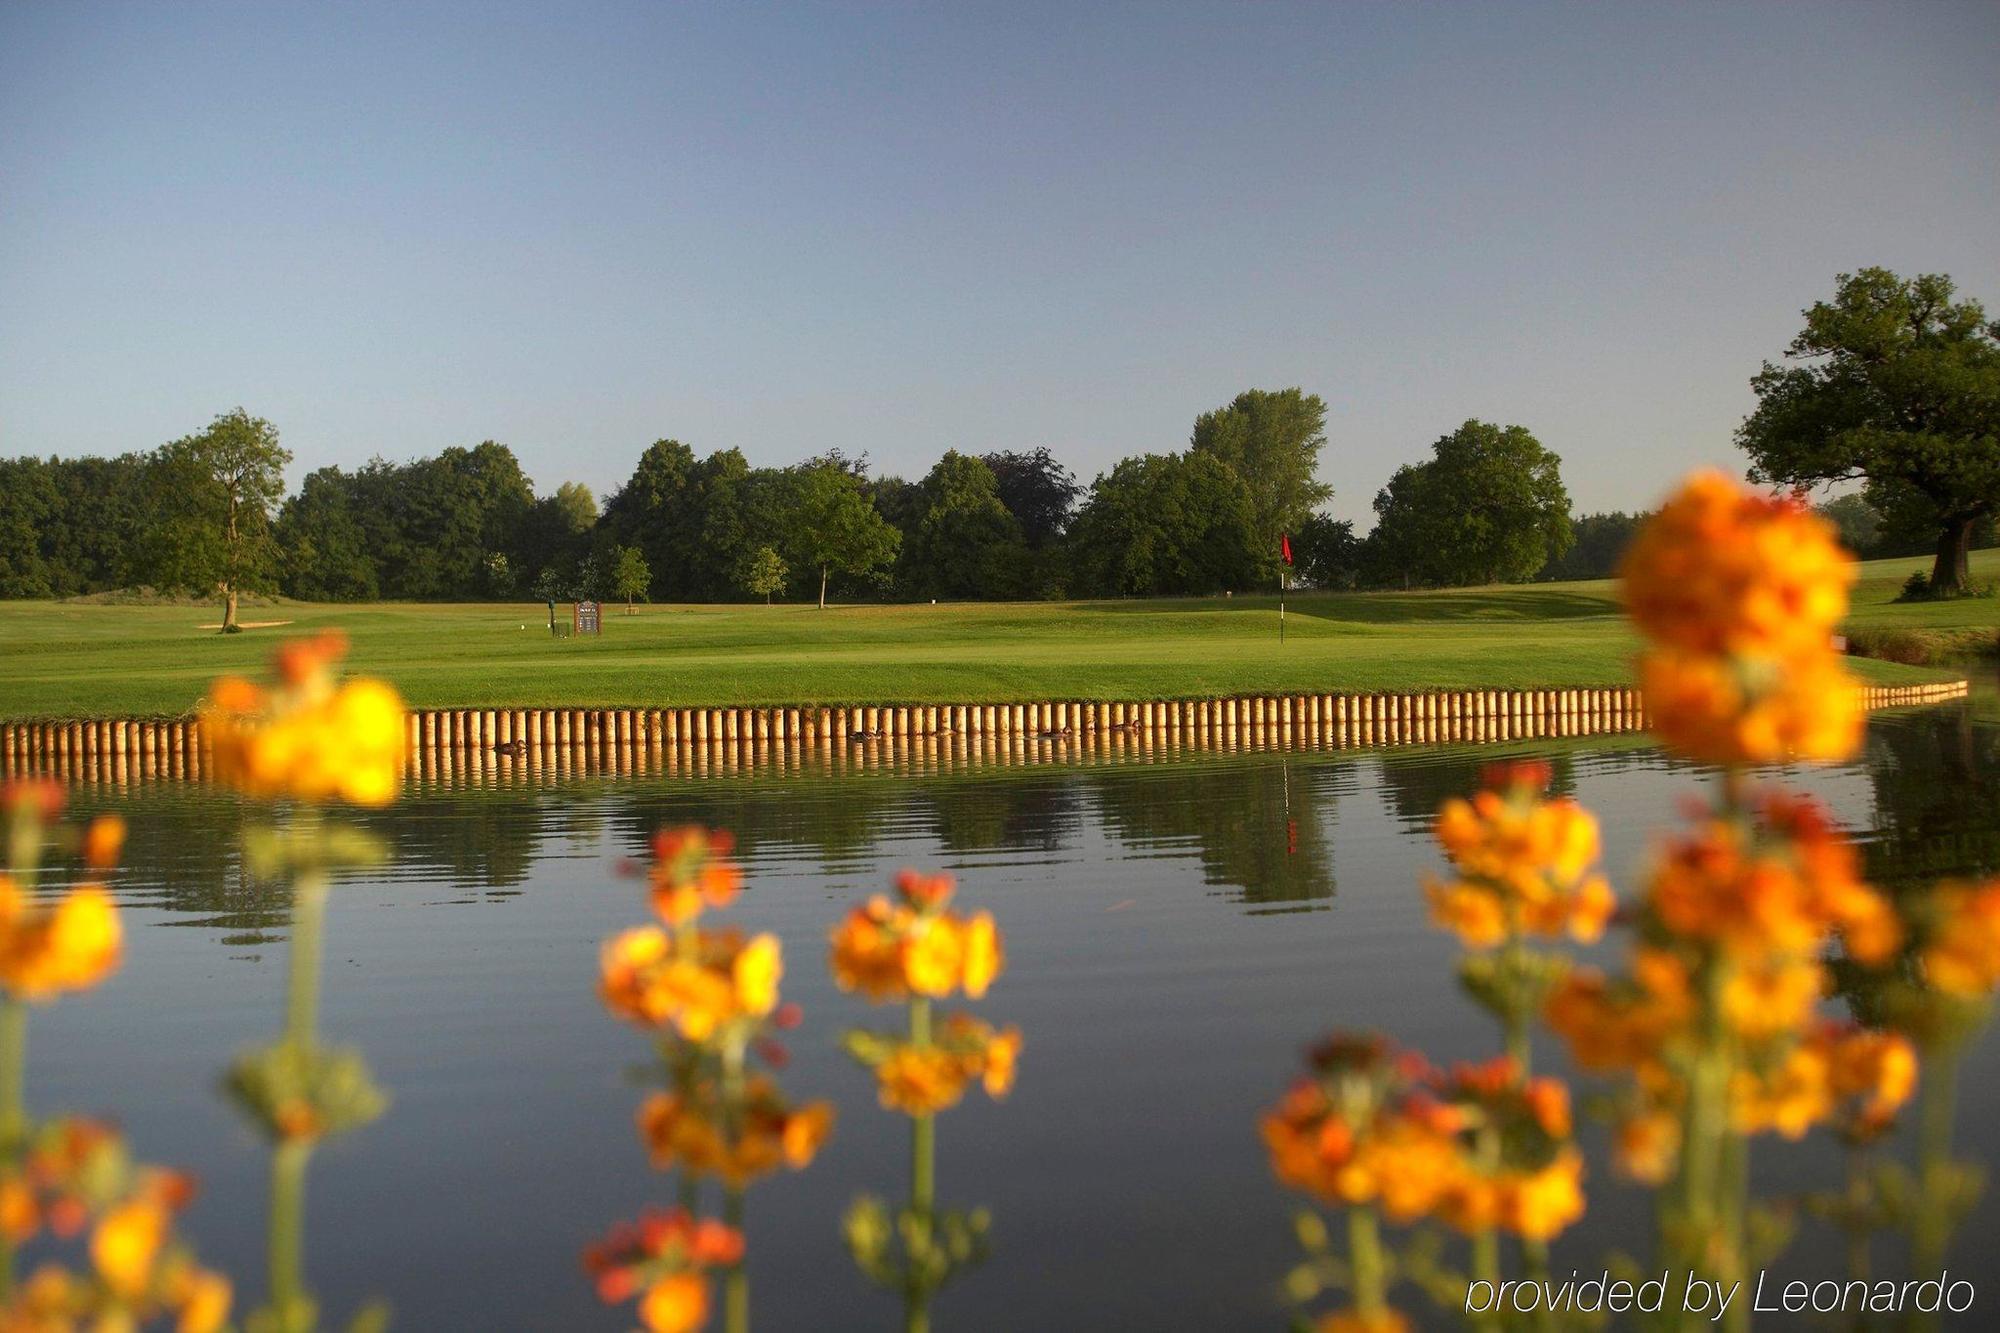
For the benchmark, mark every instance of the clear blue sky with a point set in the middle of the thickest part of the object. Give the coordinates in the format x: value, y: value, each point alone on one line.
x: 903, y: 228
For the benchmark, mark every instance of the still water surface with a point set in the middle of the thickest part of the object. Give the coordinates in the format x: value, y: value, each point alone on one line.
x: 1176, y: 932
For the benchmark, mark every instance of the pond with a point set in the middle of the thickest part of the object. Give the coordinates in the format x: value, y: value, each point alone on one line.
x: 1177, y: 931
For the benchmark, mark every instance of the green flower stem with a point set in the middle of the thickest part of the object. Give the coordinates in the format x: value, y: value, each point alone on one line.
x: 1486, y: 1241
x: 13, y: 1108
x: 1364, y: 1258
x: 290, y: 1306
x: 923, y: 1189
x: 1937, y: 1108
x: 302, y: 986
x: 1858, y: 1207
x: 736, y: 1284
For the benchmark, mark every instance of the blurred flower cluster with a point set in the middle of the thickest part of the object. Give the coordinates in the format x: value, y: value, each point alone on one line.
x: 309, y: 736
x: 73, y: 1178
x: 1713, y: 1029
x: 916, y: 948
x: 711, y: 999
x: 1738, y: 594
x: 665, y: 1259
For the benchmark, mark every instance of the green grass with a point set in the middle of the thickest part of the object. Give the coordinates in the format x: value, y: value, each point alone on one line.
x: 81, y: 659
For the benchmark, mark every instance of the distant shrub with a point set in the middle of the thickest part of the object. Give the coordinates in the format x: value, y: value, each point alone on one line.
x: 1917, y: 588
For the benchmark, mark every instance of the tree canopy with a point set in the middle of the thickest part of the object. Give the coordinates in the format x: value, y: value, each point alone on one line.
x: 1488, y: 507
x: 1167, y: 524
x: 1895, y: 381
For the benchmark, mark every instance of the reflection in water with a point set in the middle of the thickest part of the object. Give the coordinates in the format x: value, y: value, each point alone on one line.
x: 1140, y: 893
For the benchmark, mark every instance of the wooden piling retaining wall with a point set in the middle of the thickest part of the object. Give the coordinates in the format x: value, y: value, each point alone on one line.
x: 448, y: 741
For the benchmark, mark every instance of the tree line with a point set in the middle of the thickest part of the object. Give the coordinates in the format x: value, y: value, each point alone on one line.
x: 1893, y: 384
x: 207, y: 513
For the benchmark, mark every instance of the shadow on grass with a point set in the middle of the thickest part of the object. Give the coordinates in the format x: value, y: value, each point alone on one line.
x: 1388, y: 608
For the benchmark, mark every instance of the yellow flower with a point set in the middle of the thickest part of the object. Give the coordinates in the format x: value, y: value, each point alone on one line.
x: 309, y: 739
x: 204, y: 1303
x: 756, y: 972
x: 916, y: 945
x: 675, y: 1304
x: 933, y: 957
x: 125, y: 1244
x: 696, y: 987
x: 47, y: 950
x: 1538, y: 1205
x: 998, y: 1061
x: 984, y: 956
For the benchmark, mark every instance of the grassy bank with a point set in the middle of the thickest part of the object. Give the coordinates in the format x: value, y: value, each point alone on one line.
x: 62, y: 659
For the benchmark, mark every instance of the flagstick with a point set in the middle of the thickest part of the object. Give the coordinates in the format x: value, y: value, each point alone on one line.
x: 1281, y: 606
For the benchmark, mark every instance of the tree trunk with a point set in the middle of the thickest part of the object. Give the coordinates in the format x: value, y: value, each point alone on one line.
x: 229, y: 608
x: 1951, y: 573
x: 822, y: 587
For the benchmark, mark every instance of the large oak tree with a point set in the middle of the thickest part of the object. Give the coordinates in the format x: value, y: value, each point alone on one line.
x: 1893, y: 381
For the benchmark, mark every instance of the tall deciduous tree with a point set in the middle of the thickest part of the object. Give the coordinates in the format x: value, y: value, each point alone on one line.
x: 832, y: 524
x: 224, y: 484
x: 1272, y: 440
x: 1895, y: 381
x: 962, y: 542
x: 1488, y: 507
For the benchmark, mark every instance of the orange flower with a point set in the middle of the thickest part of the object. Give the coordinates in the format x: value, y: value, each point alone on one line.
x: 1523, y: 864
x: 103, y: 839
x: 1647, y: 1144
x: 715, y: 979
x: 920, y: 1080
x: 1962, y: 956
x: 1723, y: 710
x: 1400, y: 1161
x: 1739, y: 594
x: 1722, y: 571
x: 667, y: 1256
x: 1875, y: 1071
x: 688, y: 1130
x: 916, y: 945
x: 1789, y: 1098
x: 204, y: 1299
x: 691, y: 872
x: 1776, y: 884
x: 47, y: 950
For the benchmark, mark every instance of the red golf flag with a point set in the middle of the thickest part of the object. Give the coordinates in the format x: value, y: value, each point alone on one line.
x: 1285, y: 546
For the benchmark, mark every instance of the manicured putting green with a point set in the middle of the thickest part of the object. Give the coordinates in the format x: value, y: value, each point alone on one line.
x: 83, y: 659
